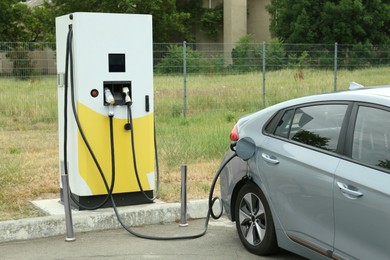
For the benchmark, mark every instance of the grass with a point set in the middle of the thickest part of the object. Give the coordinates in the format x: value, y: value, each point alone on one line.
x: 29, y: 136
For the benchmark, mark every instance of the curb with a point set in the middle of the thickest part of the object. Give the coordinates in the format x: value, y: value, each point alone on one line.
x: 101, y: 219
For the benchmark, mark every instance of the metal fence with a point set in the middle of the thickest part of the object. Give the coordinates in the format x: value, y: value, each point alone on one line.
x: 23, y: 60
x: 197, y: 76
x: 20, y: 59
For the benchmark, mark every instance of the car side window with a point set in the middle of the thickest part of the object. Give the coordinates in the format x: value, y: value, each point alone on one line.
x: 318, y: 125
x: 371, y: 138
x: 284, y: 124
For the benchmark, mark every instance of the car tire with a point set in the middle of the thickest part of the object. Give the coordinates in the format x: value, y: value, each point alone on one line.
x: 254, y: 222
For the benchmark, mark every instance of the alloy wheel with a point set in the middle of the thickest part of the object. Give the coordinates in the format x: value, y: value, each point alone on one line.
x: 252, y: 219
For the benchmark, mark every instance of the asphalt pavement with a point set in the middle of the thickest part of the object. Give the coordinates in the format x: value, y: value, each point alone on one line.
x: 220, y: 242
x: 100, y: 236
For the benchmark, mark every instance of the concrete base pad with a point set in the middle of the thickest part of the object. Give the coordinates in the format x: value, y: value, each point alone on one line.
x: 100, y: 219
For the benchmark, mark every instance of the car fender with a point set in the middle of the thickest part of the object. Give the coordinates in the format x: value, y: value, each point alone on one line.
x: 231, y: 180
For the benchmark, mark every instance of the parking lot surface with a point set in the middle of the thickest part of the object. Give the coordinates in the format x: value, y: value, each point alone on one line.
x: 220, y: 242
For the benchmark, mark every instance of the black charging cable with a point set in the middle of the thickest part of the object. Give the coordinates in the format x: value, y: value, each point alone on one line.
x: 211, y: 200
x: 69, y: 73
x: 135, y: 158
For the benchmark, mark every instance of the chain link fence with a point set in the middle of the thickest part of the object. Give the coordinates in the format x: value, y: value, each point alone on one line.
x: 191, y: 78
x: 250, y: 76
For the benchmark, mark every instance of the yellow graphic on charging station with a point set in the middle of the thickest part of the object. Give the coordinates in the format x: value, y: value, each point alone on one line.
x: 96, y: 127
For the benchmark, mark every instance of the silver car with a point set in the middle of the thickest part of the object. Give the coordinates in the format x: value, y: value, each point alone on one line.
x: 313, y: 176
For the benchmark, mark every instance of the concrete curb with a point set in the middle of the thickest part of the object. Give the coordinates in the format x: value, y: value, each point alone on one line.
x: 101, y: 219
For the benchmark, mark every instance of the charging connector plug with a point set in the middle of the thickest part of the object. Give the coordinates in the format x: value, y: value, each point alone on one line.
x: 109, y: 97
x: 109, y: 100
x: 126, y: 93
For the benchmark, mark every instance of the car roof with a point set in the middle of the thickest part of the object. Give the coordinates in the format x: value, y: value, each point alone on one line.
x: 374, y: 91
x: 376, y: 95
x: 380, y: 95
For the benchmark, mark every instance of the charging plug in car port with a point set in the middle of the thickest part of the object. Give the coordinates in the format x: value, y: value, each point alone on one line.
x: 116, y: 88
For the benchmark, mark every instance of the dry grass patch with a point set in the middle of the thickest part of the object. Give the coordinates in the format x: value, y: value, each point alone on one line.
x: 199, y: 177
x: 29, y: 168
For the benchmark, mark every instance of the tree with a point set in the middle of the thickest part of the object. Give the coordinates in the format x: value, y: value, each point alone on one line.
x: 356, y: 21
x: 20, y: 27
x: 10, y: 28
x: 329, y: 21
x: 173, y: 20
x: 19, y: 23
x: 169, y: 24
x: 212, y: 21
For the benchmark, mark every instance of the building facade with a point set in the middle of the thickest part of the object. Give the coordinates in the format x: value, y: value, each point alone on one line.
x: 240, y: 17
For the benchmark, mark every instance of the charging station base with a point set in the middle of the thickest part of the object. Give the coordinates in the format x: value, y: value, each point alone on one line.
x: 121, y: 199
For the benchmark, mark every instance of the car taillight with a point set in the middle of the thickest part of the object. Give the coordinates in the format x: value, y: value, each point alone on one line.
x: 234, y: 134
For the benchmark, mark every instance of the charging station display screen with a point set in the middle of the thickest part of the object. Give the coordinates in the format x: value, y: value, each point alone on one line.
x: 116, y: 62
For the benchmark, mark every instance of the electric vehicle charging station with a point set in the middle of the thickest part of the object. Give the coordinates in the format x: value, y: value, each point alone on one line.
x: 105, y: 61
x: 111, y: 77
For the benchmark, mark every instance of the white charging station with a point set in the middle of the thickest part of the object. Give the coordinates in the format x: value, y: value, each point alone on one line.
x: 110, y: 51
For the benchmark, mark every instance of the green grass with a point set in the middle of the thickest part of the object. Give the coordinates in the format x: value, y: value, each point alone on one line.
x: 28, y: 126
x: 28, y: 104
x: 215, y: 102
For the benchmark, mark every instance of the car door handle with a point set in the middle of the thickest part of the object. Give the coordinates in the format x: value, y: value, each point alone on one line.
x: 349, y: 190
x: 270, y: 159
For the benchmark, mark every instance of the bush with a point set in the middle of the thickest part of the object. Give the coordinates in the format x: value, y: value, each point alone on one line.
x: 173, y: 60
x: 213, y: 64
x: 275, y: 57
x: 248, y: 55
x: 362, y: 55
x: 172, y: 63
x: 324, y: 57
x: 383, y: 54
x: 298, y: 62
x: 23, y: 66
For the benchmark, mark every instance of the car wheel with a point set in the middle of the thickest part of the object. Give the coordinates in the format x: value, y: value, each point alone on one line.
x: 254, y: 222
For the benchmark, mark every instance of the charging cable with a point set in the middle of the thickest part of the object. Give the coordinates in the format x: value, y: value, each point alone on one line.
x: 211, y: 202
x: 109, y: 97
x: 69, y: 74
x: 211, y: 199
x: 135, y: 158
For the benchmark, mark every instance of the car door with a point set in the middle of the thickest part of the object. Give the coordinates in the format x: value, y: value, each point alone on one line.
x: 362, y: 189
x: 298, y: 161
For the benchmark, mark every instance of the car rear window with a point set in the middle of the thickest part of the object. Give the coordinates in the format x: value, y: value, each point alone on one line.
x: 316, y: 125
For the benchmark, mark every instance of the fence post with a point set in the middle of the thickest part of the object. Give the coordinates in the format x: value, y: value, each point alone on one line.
x: 335, y: 67
x: 185, y: 78
x: 264, y: 105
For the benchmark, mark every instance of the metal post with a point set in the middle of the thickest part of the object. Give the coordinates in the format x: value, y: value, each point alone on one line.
x: 183, y: 197
x: 185, y: 77
x: 68, y: 213
x: 335, y: 68
x: 264, y: 75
